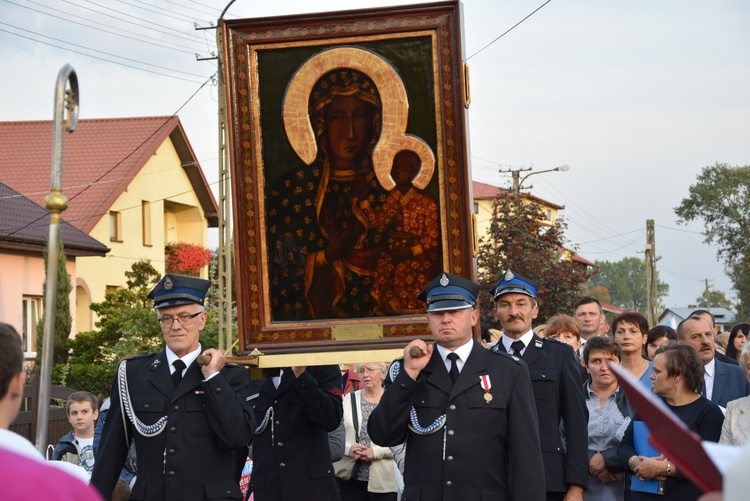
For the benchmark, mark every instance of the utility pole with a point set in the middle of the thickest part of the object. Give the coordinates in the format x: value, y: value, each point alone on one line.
x: 651, y: 278
x: 708, y: 296
x: 516, y: 173
x: 225, y: 215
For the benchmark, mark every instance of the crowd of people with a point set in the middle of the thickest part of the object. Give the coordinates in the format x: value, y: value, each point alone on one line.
x: 523, y: 415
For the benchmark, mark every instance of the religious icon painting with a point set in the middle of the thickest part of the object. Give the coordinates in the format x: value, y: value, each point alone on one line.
x: 350, y: 180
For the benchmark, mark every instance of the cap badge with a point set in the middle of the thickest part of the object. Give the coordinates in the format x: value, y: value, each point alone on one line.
x: 168, y: 285
x: 509, y: 276
x: 444, y: 280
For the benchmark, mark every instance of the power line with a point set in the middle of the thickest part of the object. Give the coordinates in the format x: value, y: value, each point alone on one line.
x: 190, y: 38
x: 153, y: 41
x: 99, y: 58
x: 509, y: 29
x: 97, y: 180
x: 102, y: 52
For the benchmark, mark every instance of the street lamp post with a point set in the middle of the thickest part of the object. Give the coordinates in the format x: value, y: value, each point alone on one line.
x: 518, y: 180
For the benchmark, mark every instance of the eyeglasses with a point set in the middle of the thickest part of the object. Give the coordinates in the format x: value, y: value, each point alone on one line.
x: 369, y: 370
x: 184, y: 319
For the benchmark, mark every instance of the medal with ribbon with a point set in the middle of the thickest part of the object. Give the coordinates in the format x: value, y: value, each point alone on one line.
x: 484, y: 380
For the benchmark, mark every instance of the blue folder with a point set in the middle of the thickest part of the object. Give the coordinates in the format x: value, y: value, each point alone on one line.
x: 643, y: 448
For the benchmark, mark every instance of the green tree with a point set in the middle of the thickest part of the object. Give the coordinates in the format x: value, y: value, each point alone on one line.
x: 63, y: 320
x: 716, y: 299
x: 720, y: 199
x: 126, y: 326
x: 625, y: 281
x: 518, y: 240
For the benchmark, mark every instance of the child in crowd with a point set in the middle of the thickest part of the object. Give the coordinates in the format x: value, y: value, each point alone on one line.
x: 77, y: 447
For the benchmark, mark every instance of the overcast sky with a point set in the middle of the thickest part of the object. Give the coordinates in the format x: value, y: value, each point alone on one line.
x: 635, y: 96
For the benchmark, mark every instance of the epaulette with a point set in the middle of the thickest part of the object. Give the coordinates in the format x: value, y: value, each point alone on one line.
x: 552, y: 340
x: 393, y: 371
x: 507, y: 355
x: 136, y: 357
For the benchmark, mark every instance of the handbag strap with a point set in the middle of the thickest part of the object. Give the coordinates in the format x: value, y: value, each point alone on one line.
x: 355, y: 417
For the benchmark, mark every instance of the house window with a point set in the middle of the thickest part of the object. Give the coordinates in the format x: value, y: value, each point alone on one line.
x: 32, y: 313
x: 476, y: 207
x: 115, y: 226
x: 146, y: 222
x: 113, y: 288
x: 549, y: 215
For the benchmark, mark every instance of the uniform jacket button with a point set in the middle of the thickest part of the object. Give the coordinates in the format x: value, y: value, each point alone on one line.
x: 282, y: 465
x: 449, y: 458
x: 171, y: 451
x: 448, y: 483
x: 450, y: 432
x: 280, y: 444
x: 218, y: 390
x: 452, y: 407
x: 171, y: 474
x: 173, y: 429
x: 176, y: 407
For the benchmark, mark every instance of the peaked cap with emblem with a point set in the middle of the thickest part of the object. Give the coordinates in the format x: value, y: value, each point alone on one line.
x: 176, y: 290
x: 449, y: 292
x: 514, y: 283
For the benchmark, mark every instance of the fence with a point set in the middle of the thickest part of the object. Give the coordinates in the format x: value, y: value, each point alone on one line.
x: 26, y: 422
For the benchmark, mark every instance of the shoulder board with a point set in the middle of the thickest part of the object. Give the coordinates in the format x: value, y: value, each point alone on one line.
x: 136, y: 357
x: 553, y: 341
x: 506, y: 355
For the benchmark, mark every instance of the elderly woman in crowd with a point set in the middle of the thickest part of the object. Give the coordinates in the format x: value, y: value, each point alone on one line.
x: 737, y: 338
x: 367, y: 470
x: 678, y: 380
x: 657, y: 337
x: 565, y: 329
x: 736, y: 429
x: 630, y: 330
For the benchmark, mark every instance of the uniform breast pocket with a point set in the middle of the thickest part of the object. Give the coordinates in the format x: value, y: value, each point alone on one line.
x: 197, y: 422
x: 429, y: 407
x: 545, y: 384
x: 149, y: 409
x: 486, y: 416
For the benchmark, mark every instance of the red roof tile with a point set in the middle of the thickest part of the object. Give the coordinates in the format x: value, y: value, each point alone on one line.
x: 99, y: 160
x: 483, y: 191
x: 24, y: 225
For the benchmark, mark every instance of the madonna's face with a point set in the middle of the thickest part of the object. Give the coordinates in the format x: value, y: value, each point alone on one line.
x: 348, y: 130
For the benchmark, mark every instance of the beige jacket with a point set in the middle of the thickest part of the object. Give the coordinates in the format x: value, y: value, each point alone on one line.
x: 382, y: 473
x: 736, y: 428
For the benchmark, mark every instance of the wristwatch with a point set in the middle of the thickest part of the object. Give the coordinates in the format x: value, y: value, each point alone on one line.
x: 669, y: 468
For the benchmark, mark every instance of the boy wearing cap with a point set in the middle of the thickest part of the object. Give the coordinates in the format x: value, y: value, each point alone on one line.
x: 560, y: 403
x: 466, y: 414
x: 188, y: 422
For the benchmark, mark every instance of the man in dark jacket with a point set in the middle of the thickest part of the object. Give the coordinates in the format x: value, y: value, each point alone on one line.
x: 189, y: 422
x: 466, y: 413
x: 557, y: 387
x: 292, y: 415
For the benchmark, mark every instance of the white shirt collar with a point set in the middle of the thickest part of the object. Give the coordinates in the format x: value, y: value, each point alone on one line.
x: 188, y: 359
x: 462, y: 351
x: 710, y: 368
x: 526, y: 339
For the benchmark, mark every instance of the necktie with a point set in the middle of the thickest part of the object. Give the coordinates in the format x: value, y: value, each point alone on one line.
x: 179, y: 365
x: 454, y: 366
x: 517, y: 346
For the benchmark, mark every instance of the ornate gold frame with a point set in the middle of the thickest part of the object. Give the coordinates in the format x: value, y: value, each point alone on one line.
x: 259, y: 50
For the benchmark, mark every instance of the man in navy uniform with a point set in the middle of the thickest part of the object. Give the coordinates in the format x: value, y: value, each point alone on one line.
x: 560, y: 403
x: 292, y: 415
x: 467, y: 414
x: 189, y: 422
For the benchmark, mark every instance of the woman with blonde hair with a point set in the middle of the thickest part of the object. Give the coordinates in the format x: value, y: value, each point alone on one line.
x: 366, y: 472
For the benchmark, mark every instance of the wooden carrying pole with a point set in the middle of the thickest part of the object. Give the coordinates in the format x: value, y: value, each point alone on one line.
x: 66, y: 100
